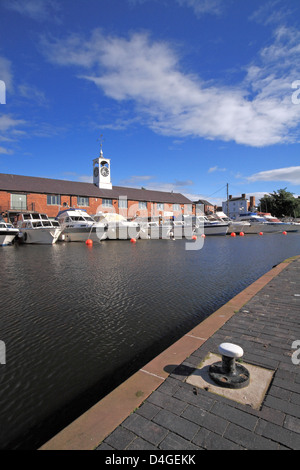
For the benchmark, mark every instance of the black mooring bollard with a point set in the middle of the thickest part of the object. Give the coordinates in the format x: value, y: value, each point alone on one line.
x: 228, y: 373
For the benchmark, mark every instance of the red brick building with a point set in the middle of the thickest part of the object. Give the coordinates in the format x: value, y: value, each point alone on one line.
x: 27, y: 193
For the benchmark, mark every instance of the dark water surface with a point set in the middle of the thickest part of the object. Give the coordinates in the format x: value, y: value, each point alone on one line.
x: 77, y: 321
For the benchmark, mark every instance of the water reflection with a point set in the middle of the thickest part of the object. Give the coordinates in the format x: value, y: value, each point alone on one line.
x: 77, y: 320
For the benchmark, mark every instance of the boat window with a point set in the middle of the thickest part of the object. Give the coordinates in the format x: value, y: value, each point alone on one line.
x: 55, y: 223
x: 44, y: 216
x: 26, y: 216
x: 77, y: 218
x: 2, y: 226
x: 35, y: 216
x: 46, y: 223
x: 37, y: 224
x: 89, y: 219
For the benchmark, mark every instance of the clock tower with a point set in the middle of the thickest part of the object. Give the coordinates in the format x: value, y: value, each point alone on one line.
x: 101, y: 172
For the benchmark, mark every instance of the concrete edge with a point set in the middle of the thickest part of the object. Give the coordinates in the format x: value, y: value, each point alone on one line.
x: 91, y: 428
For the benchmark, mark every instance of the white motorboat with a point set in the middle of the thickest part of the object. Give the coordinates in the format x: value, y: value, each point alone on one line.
x: 8, y: 232
x: 282, y: 226
x: 234, y: 226
x: 37, y: 228
x: 78, y: 226
x: 204, y: 226
x: 118, y: 227
x: 260, y: 224
x: 154, y: 230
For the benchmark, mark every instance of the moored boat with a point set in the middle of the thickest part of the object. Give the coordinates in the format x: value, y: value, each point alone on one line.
x: 204, y: 226
x: 282, y: 226
x: 78, y: 226
x: 8, y: 233
x: 234, y: 226
x: 36, y: 228
x: 118, y: 227
x: 259, y: 224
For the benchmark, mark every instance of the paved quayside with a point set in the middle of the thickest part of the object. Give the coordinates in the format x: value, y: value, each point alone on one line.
x: 177, y: 409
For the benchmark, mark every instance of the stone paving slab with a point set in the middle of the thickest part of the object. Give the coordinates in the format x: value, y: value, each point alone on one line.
x: 179, y: 416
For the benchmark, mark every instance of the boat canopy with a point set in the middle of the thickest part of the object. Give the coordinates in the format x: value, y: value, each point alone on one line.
x: 109, y: 217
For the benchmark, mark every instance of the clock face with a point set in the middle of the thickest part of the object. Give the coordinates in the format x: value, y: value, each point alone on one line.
x: 104, y: 171
x: 96, y: 171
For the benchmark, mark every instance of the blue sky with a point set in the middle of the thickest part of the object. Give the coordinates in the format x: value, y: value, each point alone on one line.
x: 188, y: 95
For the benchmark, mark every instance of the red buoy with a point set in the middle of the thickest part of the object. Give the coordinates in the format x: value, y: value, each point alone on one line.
x: 203, y: 235
x: 284, y: 233
x: 133, y: 240
x: 194, y: 237
x: 242, y: 234
x: 233, y: 234
x: 89, y: 242
x: 261, y: 233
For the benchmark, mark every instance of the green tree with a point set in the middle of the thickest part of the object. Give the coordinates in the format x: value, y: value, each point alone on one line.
x: 281, y: 204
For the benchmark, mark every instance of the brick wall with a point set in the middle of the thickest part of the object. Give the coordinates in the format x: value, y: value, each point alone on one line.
x: 38, y: 203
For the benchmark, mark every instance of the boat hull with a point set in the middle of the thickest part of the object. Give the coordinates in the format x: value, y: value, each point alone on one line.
x: 81, y: 234
x: 237, y: 227
x: 211, y: 229
x: 39, y: 236
x: 159, y: 232
x: 122, y: 232
x: 268, y: 227
x: 7, y: 237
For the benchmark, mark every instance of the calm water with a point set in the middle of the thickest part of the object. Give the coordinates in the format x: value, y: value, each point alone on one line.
x: 75, y: 319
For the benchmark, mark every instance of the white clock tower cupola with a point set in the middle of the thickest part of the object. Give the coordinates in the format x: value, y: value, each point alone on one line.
x: 101, y: 172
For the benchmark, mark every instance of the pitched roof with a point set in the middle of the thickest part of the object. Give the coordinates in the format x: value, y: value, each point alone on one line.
x: 33, y: 184
x: 203, y: 201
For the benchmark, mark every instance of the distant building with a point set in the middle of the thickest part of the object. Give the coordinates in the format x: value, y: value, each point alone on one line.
x: 238, y: 205
x: 205, y: 206
x: 27, y: 193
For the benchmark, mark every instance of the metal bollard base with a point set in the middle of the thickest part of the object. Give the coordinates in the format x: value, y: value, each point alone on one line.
x: 239, y: 379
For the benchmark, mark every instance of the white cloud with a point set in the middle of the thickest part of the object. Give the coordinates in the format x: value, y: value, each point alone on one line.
x: 8, y: 123
x: 290, y: 175
x: 9, y: 131
x: 202, y: 7
x: 36, y: 9
x: 215, y: 168
x: 5, y: 151
x: 257, y: 112
x: 6, y: 72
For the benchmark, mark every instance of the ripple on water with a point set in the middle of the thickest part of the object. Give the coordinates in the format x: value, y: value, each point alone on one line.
x: 71, y: 316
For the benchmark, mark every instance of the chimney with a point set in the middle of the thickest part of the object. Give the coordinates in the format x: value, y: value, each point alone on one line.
x: 230, y: 197
x: 252, y: 201
x: 244, y: 196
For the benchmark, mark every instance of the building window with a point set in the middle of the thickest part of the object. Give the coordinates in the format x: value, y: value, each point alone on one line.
x: 176, y: 207
x: 160, y: 206
x: 107, y: 202
x: 53, y: 200
x: 82, y: 201
x: 18, y: 202
x: 123, y: 203
x: 142, y: 205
